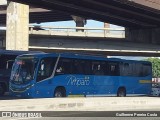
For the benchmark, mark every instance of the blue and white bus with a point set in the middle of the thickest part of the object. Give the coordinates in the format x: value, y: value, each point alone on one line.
x: 67, y: 74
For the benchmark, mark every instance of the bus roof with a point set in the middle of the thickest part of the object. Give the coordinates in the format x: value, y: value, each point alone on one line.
x: 17, y: 52
x: 81, y: 56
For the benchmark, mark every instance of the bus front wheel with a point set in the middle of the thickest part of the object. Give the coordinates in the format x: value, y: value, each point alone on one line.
x: 60, y: 92
x: 121, y: 92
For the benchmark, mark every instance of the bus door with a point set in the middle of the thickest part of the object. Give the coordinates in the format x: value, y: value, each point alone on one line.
x: 44, y: 87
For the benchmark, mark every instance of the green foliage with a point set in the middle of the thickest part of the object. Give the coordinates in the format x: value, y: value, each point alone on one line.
x: 155, y: 66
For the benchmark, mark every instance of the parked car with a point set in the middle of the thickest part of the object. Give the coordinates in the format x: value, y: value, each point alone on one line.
x: 155, y: 89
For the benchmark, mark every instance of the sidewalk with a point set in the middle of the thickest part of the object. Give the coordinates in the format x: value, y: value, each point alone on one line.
x: 82, y: 104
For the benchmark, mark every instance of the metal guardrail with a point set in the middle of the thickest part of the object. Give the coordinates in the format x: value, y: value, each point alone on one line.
x: 78, y: 31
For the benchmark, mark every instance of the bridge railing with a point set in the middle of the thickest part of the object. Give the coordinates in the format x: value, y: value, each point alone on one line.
x: 78, y: 31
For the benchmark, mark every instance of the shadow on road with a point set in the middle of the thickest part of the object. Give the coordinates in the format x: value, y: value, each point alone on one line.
x: 8, y: 97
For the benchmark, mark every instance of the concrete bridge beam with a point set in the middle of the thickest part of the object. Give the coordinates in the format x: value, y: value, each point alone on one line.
x: 143, y: 35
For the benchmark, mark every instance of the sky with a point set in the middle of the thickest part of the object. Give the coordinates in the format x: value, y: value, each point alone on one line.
x: 90, y: 23
x: 130, y: 57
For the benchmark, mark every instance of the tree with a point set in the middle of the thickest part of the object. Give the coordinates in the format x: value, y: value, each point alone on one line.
x: 155, y: 66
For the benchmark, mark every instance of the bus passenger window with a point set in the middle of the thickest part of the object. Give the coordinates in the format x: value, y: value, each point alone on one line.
x: 125, y: 69
x: 113, y: 69
x: 9, y: 64
x: 147, y: 69
x: 81, y: 67
x: 64, y: 66
x: 95, y: 69
x: 98, y: 68
x: 42, y: 68
x: 59, y: 70
x: 78, y: 67
x: 46, y: 68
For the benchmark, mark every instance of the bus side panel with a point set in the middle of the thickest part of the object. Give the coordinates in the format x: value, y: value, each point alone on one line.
x: 133, y: 85
x: 44, y: 88
x: 129, y: 83
x: 145, y: 85
x: 106, y: 85
x: 75, y: 84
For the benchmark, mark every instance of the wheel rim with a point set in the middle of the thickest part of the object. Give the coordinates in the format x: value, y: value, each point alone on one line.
x: 121, y: 93
x: 58, y: 94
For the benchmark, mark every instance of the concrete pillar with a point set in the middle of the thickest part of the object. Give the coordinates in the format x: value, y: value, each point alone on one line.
x: 17, y: 33
x: 106, y: 25
x: 3, y: 2
x: 80, y: 22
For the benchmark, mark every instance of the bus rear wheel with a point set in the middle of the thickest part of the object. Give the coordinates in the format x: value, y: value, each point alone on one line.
x: 121, y: 92
x: 60, y: 92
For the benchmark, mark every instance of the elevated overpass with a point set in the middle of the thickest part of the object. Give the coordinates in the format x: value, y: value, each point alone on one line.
x: 128, y: 13
x: 75, y: 31
x: 141, y: 19
x: 37, y: 15
x: 100, y: 43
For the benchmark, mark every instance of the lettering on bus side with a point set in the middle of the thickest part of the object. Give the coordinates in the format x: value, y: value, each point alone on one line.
x: 73, y: 80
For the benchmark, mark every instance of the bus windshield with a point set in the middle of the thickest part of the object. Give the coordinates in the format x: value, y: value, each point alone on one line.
x: 23, y: 70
